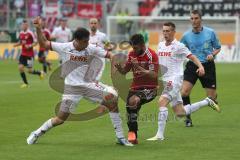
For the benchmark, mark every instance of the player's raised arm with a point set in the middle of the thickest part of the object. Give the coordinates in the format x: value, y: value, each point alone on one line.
x: 43, y: 42
x: 17, y: 44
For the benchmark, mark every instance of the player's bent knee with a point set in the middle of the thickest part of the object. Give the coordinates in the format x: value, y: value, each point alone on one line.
x: 21, y: 68
x: 67, y: 105
x: 110, y: 95
x: 185, y: 92
x: 113, y: 108
x: 133, y: 101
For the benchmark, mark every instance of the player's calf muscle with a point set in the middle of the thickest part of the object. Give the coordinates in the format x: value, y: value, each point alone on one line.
x: 58, y: 120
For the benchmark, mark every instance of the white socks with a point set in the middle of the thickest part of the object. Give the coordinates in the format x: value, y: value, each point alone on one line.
x: 117, y: 124
x: 44, y: 128
x: 190, y: 108
x: 162, y: 119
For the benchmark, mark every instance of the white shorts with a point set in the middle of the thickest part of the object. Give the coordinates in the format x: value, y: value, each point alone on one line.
x: 95, y: 92
x: 172, y: 90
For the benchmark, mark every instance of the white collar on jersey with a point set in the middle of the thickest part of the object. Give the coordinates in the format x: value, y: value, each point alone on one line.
x: 174, y: 41
x: 94, y: 33
x: 28, y: 30
x: 146, y: 50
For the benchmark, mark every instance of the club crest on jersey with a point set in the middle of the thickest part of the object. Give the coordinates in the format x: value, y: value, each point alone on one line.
x: 78, y: 58
x: 164, y: 54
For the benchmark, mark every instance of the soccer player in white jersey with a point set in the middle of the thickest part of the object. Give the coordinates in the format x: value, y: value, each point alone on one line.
x: 77, y: 57
x: 100, y: 39
x: 62, y: 33
x: 172, y: 54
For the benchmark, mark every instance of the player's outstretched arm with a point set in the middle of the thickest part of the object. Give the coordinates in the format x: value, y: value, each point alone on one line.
x: 17, y: 44
x: 43, y: 42
x: 200, y: 69
x: 31, y: 45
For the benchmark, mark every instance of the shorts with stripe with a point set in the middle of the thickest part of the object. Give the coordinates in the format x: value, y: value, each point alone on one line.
x: 26, y: 61
x: 172, y: 90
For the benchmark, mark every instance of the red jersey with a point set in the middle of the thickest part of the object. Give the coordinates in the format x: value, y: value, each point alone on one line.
x: 47, y: 34
x: 149, y: 61
x: 27, y: 38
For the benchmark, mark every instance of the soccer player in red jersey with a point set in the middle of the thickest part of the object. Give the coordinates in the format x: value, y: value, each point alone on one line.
x: 42, y: 51
x: 143, y: 62
x: 27, y: 40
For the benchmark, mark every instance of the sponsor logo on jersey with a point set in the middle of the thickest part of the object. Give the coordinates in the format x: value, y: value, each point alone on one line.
x: 164, y: 54
x: 78, y: 58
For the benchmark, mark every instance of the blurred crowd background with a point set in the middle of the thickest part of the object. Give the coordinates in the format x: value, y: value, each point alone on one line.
x: 12, y: 12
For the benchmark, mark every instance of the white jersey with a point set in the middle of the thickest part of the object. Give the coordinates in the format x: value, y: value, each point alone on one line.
x: 98, y: 39
x: 171, y: 59
x: 62, y: 35
x: 76, y: 63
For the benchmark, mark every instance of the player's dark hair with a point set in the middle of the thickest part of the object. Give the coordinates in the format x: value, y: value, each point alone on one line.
x: 81, y: 33
x: 24, y: 21
x: 170, y: 24
x: 198, y: 12
x: 137, y: 39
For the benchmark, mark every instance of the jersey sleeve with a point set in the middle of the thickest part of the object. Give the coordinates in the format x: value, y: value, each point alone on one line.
x: 105, y: 39
x: 128, y: 64
x: 97, y: 51
x: 154, y: 66
x: 69, y: 35
x: 33, y: 36
x: 183, y: 40
x: 215, y: 41
x: 47, y: 34
x: 57, y: 47
x: 184, y: 51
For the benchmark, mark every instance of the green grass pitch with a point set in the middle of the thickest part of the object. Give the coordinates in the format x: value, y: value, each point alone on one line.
x: 214, y: 136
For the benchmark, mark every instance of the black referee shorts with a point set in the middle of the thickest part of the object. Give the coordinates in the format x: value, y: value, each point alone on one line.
x: 207, y: 81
